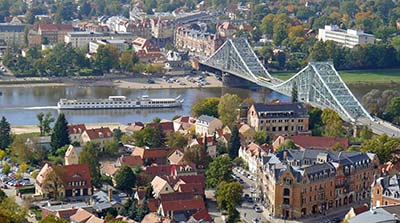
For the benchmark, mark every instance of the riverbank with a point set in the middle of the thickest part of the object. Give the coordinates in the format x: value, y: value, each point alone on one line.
x: 358, y: 76
x: 24, y: 129
x: 117, y: 82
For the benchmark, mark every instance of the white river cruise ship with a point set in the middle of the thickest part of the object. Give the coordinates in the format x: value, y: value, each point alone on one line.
x: 119, y: 102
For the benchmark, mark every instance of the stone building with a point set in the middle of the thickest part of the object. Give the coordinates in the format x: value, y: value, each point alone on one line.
x: 298, y: 183
x: 279, y: 118
x: 386, y: 191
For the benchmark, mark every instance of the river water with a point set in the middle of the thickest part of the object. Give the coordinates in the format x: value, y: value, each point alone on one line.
x: 20, y: 105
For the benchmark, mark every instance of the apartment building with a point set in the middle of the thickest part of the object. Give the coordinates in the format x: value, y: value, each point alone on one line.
x: 386, y: 191
x: 12, y: 34
x: 197, y: 42
x: 54, y: 33
x: 347, y: 38
x: 298, y: 183
x: 82, y: 39
x: 279, y: 118
x: 120, y: 45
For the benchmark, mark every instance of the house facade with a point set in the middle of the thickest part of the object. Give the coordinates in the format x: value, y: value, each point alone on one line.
x: 207, y: 125
x: 386, y: 191
x: 279, y: 118
x: 100, y: 136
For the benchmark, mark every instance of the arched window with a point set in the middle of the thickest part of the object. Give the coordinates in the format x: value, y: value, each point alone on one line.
x: 377, y: 191
x: 286, y: 192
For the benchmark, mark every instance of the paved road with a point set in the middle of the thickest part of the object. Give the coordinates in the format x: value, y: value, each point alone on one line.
x: 381, y: 127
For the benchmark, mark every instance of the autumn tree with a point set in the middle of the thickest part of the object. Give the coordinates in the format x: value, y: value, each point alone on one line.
x: 125, y: 179
x: 176, y: 140
x: 206, y: 106
x: 229, y: 196
x: 197, y: 155
x: 228, y: 108
x: 383, y: 146
x: 44, y: 122
x: 333, y: 124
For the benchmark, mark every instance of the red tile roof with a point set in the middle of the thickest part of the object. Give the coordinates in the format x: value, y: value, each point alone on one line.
x: 318, y: 142
x: 151, y: 153
x: 99, y: 133
x: 165, y: 126
x: 74, y: 173
x: 76, y: 129
x: 361, y: 209
x: 202, y: 215
x: 131, y: 161
x: 182, y: 205
x: 195, y: 188
x: 210, y: 140
x: 178, y: 196
x: 167, y: 170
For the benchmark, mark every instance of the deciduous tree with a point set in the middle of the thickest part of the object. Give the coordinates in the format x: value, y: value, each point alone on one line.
x: 228, y: 108
x: 176, y: 140
x: 89, y: 155
x: 125, y: 179
x: 220, y: 169
x: 197, y: 155
x: 229, y: 196
x: 206, y: 106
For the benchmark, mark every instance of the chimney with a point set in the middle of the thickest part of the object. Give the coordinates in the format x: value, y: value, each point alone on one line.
x: 110, y: 194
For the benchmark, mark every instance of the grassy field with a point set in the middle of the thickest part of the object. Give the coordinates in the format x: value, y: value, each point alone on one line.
x: 363, y: 76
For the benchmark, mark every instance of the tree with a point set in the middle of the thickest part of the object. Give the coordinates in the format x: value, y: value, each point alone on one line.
x: 229, y: 196
x: 89, y: 155
x: 383, y: 146
x: 333, y: 123
x: 117, y: 134
x: 294, y: 93
x: 197, y: 155
x: 206, y: 106
x: 394, y: 108
x: 125, y: 179
x: 6, y: 168
x: 234, y: 143
x: 2, y: 154
x: 288, y: 145
x: 106, y: 58
x: 318, y: 52
x: 261, y: 137
x: 220, y: 169
x: 176, y: 140
x: 44, y: 123
x: 228, y: 108
x: 5, y: 133
x: 53, y: 185
x: 111, y: 148
x: 53, y: 219
x: 365, y: 133
x: 60, y: 137
x: 11, y: 212
x: 23, y: 167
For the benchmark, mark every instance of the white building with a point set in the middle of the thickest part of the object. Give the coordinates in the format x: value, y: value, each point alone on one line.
x: 207, y: 125
x: 121, y: 45
x: 82, y: 39
x: 348, y: 38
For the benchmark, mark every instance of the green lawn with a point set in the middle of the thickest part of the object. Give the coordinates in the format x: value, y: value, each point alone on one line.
x: 366, y: 76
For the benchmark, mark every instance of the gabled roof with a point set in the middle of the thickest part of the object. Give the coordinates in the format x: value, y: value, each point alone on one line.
x: 165, y: 126
x: 360, y: 209
x: 131, y: 161
x: 150, y: 153
x: 182, y: 205
x: 56, y: 27
x: 99, y: 133
x: 81, y: 216
x: 74, y: 173
x: 206, y: 118
x: 202, y: 215
x: 176, y: 157
x: 158, y: 184
x: 76, y: 129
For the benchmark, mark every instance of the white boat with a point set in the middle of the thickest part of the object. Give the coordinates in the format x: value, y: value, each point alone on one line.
x: 119, y: 102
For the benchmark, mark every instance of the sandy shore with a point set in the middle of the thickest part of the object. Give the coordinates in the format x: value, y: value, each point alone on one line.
x: 22, y: 129
x: 128, y: 83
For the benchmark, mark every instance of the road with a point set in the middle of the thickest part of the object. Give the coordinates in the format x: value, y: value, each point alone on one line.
x: 381, y: 127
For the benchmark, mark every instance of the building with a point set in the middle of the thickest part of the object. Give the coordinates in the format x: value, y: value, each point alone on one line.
x: 386, y: 214
x: 297, y: 183
x: 226, y: 29
x: 75, y: 132
x: 162, y: 28
x: 63, y: 181
x: 207, y: 125
x: 251, y: 154
x: 386, y: 191
x: 101, y: 136
x: 146, y: 50
x: 131, y: 161
x: 279, y: 118
x: 72, y: 155
x: 152, y: 156
x: 63, y: 211
x: 120, y: 45
x: 54, y: 33
x: 197, y: 42
x: 354, y: 211
x: 312, y: 142
x: 347, y: 38
x: 81, y: 39
x: 211, y: 144
x: 12, y: 34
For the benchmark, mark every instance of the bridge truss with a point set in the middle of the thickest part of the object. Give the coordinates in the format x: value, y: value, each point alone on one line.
x: 318, y: 83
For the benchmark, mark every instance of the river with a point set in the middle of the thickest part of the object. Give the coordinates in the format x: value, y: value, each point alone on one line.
x: 20, y: 105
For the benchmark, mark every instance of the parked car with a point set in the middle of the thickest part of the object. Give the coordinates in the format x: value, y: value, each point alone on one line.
x: 255, y: 220
x: 258, y: 209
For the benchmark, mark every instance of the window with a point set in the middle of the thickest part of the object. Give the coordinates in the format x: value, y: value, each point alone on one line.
x: 286, y: 192
x: 286, y: 201
x: 377, y: 191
